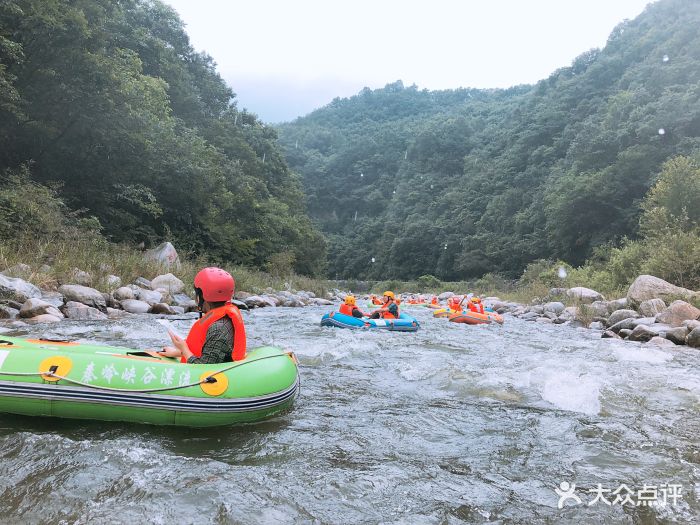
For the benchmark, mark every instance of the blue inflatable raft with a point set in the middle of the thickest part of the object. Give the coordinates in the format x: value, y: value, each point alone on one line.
x: 405, y: 323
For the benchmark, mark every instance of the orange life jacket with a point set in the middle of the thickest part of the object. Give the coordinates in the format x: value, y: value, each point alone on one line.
x: 198, y: 333
x: 435, y: 300
x: 346, y: 309
x: 376, y: 301
x: 389, y: 315
x: 478, y: 308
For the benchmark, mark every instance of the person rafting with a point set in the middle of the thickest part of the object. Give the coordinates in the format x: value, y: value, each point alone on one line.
x: 219, y: 335
x: 389, y: 309
x: 475, y: 305
x: 434, y: 300
x: 349, y: 307
x: 455, y: 303
x: 375, y: 300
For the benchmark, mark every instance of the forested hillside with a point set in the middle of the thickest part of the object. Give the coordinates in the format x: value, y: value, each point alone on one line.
x: 462, y: 182
x: 108, y: 102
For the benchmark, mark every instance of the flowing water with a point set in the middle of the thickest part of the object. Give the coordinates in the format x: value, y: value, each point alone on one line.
x: 451, y: 424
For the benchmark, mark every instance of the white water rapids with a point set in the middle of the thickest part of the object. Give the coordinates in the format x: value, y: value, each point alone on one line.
x: 451, y: 424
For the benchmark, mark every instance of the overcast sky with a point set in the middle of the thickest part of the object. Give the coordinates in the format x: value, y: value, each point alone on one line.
x: 285, y: 58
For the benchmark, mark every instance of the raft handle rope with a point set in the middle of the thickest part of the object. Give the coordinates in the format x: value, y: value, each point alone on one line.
x: 209, y: 379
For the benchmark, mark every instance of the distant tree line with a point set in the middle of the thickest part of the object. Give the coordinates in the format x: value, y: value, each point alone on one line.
x: 108, y: 103
x: 459, y: 183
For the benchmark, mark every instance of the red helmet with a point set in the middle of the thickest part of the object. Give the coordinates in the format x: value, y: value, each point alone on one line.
x: 216, y: 285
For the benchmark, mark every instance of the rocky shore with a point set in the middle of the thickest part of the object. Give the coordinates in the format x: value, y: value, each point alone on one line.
x: 22, y: 301
x: 654, y: 312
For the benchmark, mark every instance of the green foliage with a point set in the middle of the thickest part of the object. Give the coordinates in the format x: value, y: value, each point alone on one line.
x: 427, y: 282
x: 110, y: 100
x: 504, y: 177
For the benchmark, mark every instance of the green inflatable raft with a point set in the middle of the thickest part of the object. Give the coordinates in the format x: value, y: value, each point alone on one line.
x: 40, y: 377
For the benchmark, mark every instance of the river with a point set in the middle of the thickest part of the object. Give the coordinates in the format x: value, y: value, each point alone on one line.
x: 451, y: 424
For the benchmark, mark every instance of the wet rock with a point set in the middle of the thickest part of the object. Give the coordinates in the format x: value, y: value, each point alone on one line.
x: 242, y: 296
x: 584, y: 295
x: 538, y: 309
x: 609, y: 334
x: 114, y: 313
x: 7, y: 312
x: 45, y: 318
x: 551, y: 315
x: 165, y: 254
x: 647, y: 287
x: 53, y: 298
x: 619, y: 315
x: 642, y: 333
x: 180, y: 299
x: 625, y: 333
x: 647, y: 321
x: 555, y: 307
x: 569, y: 313
x: 17, y: 289
x: 694, y: 338
x: 83, y: 294
x: 677, y: 312
x: 321, y: 302
x: 660, y: 341
x: 163, y: 308
x: 652, y: 307
x: 35, y: 307
x: 149, y: 296
x: 168, y: 282
x: 677, y: 335
x: 543, y: 320
x: 124, y: 293
x: 80, y: 312
x: 596, y: 325
x: 134, y: 306
x: 177, y: 310
x: 529, y: 316
x: 256, y: 301
x: 625, y: 324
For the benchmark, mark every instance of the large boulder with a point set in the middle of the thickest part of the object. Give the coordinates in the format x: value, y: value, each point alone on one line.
x: 168, y: 282
x: 619, y: 315
x: 7, y: 312
x: 642, y: 333
x: 647, y: 287
x: 678, y: 335
x: 445, y: 295
x: 80, y: 312
x: 17, y: 289
x: 163, y: 308
x: 584, y: 295
x: 677, y: 312
x: 35, y: 306
x: 113, y: 281
x: 123, y: 293
x: 184, y: 301
x: 660, y: 341
x: 45, y: 318
x: 83, y: 294
x: 651, y: 307
x: 599, y: 308
x: 625, y: 324
x: 691, y: 325
x: 134, y: 306
x: 165, y: 254
x: 618, y: 304
x: 149, y: 296
x: 53, y: 298
x: 694, y: 338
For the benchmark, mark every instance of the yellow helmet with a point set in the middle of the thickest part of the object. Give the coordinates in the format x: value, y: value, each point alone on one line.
x: 476, y: 299
x: 350, y: 300
x: 389, y: 294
